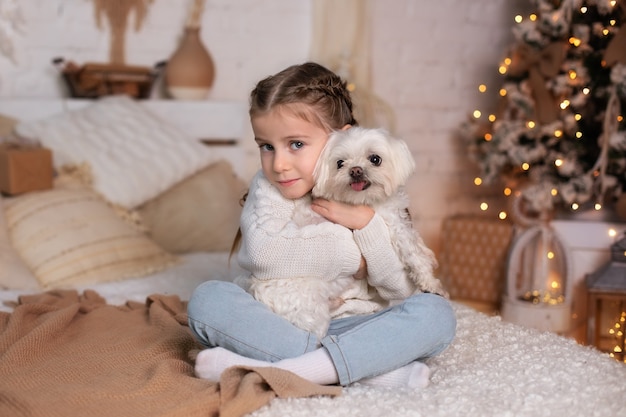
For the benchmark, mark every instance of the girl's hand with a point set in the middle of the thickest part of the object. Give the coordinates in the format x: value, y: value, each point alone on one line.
x: 347, y: 215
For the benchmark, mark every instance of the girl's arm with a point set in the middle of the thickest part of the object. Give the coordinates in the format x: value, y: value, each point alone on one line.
x: 274, y: 246
x: 385, y: 271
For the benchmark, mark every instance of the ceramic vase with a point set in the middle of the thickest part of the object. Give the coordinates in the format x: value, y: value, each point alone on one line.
x: 190, y: 71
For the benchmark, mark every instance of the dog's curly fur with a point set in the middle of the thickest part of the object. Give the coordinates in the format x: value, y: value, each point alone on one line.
x: 357, y: 166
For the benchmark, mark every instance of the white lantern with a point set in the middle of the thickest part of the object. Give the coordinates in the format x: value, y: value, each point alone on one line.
x: 538, y: 291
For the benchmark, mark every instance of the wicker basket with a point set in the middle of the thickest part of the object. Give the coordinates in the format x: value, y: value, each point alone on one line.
x: 93, y: 80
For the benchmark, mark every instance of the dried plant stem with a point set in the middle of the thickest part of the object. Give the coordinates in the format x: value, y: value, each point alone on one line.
x: 195, y: 14
x: 116, y: 12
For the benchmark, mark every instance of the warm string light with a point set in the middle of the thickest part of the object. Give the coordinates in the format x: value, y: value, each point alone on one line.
x: 484, y: 206
x: 575, y: 41
x: 519, y: 18
x: 477, y: 114
x: 530, y: 124
x: 504, y: 67
x: 617, y: 331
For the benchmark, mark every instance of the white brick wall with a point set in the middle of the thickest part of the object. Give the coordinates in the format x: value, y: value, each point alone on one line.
x: 428, y: 58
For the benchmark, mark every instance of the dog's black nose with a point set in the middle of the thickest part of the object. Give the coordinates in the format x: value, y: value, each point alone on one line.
x: 356, y: 172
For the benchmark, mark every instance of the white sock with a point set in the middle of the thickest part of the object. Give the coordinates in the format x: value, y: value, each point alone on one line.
x: 210, y: 363
x: 414, y: 375
x: 314, y: 366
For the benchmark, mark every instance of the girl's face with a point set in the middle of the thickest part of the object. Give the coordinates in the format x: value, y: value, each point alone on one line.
x: 290, y: 147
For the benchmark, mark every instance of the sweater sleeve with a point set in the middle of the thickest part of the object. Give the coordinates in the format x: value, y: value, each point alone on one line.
x: 385, y: 271
x: 274, y: 246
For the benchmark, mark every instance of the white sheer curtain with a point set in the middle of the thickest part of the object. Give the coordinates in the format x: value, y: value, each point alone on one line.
x: 341, y: 42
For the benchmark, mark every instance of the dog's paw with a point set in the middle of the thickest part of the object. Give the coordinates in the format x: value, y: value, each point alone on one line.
x: 435, y: 286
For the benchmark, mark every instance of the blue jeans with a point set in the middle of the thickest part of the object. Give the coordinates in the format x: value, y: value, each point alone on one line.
x: 223, y: 314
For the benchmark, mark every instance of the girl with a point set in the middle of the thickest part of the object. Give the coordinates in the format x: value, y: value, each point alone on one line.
x: 369, y: 340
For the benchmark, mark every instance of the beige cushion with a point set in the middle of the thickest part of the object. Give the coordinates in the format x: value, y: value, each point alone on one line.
x: 14, y: 274
x: 199, y: 214
x: 71, y: 236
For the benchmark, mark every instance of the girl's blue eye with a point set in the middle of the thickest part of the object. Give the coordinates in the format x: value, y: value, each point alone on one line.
x: 266, y: 147
x: 296, y: 145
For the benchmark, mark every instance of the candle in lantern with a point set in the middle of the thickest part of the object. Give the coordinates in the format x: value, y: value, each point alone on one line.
x: 555, y: 294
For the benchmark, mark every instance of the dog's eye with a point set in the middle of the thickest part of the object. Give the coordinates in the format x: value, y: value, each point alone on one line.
x: 375, y: 160
x: 339, y: 164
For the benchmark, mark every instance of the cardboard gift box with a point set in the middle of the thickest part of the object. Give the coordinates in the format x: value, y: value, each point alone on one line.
x: 24, y: 169
x: 473, y: 257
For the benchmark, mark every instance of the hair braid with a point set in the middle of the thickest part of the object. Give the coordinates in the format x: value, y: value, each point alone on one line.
x: 323, y: 94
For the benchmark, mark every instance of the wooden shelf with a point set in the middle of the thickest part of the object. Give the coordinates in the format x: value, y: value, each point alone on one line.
x: 203, y: 119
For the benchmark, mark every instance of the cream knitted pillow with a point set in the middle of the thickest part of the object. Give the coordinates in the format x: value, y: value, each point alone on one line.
x: 134, y: 155
x: 71, y: 236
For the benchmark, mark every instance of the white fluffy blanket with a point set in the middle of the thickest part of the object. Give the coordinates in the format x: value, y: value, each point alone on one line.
x: 492, y: 369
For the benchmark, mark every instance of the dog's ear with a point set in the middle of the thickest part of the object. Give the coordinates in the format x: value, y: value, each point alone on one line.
x: 402, y: 159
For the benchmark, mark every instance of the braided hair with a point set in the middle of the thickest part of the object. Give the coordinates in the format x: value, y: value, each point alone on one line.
x: 311, y: 91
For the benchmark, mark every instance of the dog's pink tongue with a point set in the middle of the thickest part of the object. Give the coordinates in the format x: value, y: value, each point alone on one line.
x: 358, y: 186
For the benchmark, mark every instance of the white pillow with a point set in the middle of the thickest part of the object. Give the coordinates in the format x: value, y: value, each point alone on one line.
x: 134, y: 155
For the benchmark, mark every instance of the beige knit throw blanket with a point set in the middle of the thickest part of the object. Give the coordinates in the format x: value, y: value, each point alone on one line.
x: 69, y: 354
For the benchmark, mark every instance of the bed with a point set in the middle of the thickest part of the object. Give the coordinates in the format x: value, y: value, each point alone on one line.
x: 92, y: 321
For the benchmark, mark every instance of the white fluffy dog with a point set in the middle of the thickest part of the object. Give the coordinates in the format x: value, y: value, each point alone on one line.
x: 370, y: 167
x: 357, y: 166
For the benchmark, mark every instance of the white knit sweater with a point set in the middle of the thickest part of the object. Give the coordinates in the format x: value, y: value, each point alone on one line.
x: 273, y: 246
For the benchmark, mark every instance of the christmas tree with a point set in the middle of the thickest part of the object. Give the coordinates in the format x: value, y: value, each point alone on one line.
x: 557, y: 135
